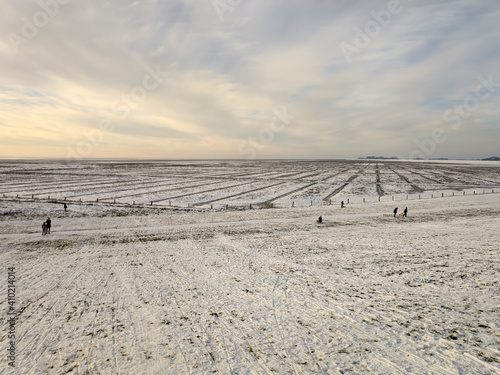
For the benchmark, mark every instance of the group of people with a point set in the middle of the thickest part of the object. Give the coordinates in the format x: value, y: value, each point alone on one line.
x: 46, y: 226
x: 405, y: 212
x: 48, y: 223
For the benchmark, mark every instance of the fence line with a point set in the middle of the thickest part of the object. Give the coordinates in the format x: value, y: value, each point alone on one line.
x: 191, y: 206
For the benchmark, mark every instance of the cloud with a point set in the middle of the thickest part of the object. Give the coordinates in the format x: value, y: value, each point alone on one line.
x: 226, y: 77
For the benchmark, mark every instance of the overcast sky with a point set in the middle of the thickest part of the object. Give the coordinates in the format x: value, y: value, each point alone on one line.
x: 250, y: 78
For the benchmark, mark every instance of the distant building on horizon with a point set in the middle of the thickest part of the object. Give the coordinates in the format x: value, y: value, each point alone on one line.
x: 492, y: 158
x: 380, y: 157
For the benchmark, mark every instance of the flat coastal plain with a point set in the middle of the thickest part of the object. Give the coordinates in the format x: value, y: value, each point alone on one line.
x: 183, y: 288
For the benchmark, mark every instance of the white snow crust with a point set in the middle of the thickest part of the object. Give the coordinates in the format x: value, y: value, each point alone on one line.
x: 118, y: 289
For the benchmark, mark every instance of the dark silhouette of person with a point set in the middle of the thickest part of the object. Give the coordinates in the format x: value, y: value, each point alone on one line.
x: 395, y: 211
x: 342, y: 204
x: 49, y: 224
x: 65, y: 207
x: 44, y: 228
x: 405, y: 212
x: 320, y: 219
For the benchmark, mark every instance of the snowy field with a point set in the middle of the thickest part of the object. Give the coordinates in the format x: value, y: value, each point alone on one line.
x: 239, y: 183
x: 120, y: 289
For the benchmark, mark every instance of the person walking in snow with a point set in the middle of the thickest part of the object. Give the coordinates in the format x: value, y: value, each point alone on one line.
x: 405, y: 212
x: 65, y: 207
x: 395, y: 211
x: 342, y: 204
x: 44, y: 228
x: 320, y: 220
x: 49, y: 224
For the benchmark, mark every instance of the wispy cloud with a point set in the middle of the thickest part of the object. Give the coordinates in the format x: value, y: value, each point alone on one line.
x: 225, y: 78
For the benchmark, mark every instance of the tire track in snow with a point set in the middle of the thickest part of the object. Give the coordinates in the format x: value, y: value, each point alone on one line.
x: 64, y: 281
x: 237, y: 333
x: 100, y: 305
x: 97, y: 287
x: 353, y: 326
x: 141, y: 332
x: 184, y: 275
x: 155, y: 268
x: 238, y: 271
x: 293, y: 359
x: 370, y: 334
x: 239, y: 328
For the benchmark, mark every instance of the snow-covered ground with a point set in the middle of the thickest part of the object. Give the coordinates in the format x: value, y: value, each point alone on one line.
x: 237, y: 183
x: 111, y: 291
x: 116, y: 289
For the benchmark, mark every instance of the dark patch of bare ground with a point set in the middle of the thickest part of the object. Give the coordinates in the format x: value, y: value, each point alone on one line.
x: 58, y: 244
x: 47, y: 243
x: 111, y: 212
x: 335, y: 192
x: 380, y: 191
x: 416, y: 189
